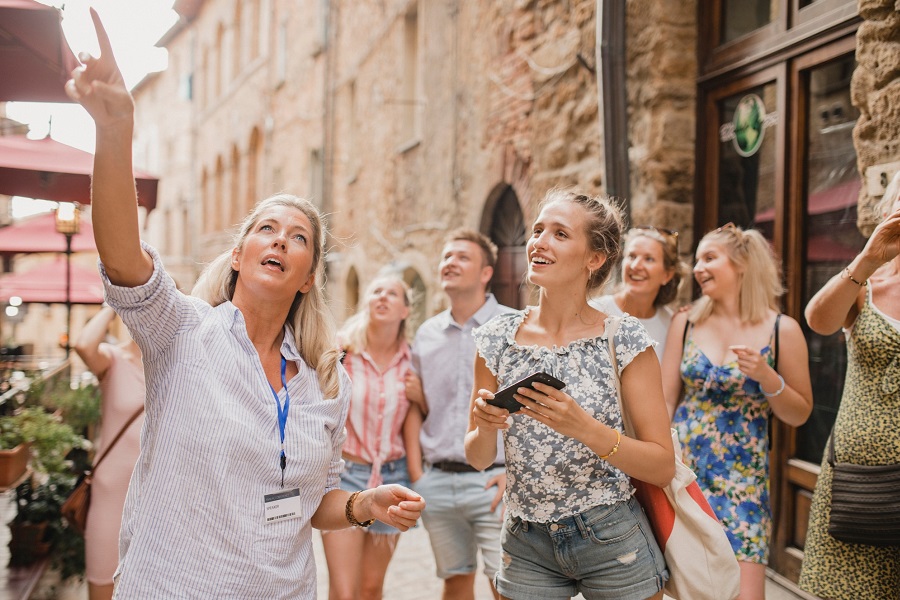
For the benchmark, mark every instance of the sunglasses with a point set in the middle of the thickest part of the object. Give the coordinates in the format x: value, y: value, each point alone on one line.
x: 729, y: 226
x: 668, y: 234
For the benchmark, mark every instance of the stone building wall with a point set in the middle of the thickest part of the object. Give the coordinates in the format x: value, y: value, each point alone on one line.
x: 875, y: 89
x: 250, y: 127
x: 662, y: 97
x: 502, y: 100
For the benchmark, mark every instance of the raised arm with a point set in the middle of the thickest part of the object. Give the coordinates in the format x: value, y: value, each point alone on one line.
x: 87, y: 345
x: 99, y: 87
x: 837, y: 304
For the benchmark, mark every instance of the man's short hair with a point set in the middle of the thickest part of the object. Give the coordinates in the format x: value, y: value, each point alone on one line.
x: 488, y: 248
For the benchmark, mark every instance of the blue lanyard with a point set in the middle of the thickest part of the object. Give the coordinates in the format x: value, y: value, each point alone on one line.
x: 282, y: 415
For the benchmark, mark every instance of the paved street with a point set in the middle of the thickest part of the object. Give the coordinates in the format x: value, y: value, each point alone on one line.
x: 411, y: 573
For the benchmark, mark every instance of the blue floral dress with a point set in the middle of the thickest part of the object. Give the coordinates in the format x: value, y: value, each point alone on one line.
x: 723, y: 426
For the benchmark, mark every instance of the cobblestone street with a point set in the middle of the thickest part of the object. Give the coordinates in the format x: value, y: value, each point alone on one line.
x: 411, y: 573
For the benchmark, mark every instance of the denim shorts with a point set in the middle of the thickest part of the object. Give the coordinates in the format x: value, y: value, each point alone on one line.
x: 459, y: 520
x: 356, y: 478
x: 605, y: 552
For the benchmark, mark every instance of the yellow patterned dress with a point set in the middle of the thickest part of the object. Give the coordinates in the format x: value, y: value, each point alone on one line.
x: 866, y: 432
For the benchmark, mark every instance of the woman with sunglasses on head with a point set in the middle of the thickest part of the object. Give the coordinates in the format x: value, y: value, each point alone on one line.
x: 863, y: 300
x: 730, y: 362
x: 572, y: 524
x: 246, y: 400
x: 651, y: 274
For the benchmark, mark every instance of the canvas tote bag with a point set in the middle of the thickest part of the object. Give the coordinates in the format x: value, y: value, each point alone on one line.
x: 701, y: 563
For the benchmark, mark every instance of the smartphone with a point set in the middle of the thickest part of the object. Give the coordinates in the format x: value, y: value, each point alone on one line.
x: 504, y: 398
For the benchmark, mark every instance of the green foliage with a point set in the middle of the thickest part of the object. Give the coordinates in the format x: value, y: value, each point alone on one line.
x: 51, y: 439
x: 10, y: 434
x: 42, y: 503
x: 51, y: 416
x: 79, y: 406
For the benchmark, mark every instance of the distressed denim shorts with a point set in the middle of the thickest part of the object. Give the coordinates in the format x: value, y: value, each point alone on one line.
x: 356, y: 478
x: 605, y: 552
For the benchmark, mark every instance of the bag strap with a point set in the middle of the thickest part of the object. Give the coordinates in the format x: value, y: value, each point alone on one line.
x: 612, y: 327
x: 831, y: 448
x: 777, y: 321
x: 116, y: 439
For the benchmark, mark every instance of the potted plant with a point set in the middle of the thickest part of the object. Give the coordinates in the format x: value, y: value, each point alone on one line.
x: 13, y: 453
x: 38, y: 521
x: 49, y: 438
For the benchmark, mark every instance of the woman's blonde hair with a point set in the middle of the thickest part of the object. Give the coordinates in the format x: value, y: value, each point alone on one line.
x: 760, y: 277
x: 308, y: 314
x: 604, y: 229
x: 353, y: 333
x: 671, y: 261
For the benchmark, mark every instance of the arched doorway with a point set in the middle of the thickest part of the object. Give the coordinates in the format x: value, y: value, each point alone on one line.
x: 506, y: 228
x: 417, y: 312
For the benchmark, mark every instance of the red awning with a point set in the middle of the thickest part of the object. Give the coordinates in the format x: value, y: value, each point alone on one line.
x: 824, y: 248
x: 38, y: 234
x: 50, y: 170
x: 46, y: 283
x: 35, y: 59
x: 828, y: 200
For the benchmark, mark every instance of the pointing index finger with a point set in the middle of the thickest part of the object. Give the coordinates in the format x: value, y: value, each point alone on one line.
x: 102, y: 37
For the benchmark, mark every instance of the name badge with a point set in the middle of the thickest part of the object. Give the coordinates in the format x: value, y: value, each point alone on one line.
x: 282, y: 506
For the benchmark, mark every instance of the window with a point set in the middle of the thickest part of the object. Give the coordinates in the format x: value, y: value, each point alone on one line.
x: 410, y: 83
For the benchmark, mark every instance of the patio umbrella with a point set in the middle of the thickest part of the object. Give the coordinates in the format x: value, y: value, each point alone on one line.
x: 38, y: 234
x: 46, y: 283
x: 35, y: 59
x: 50, y: 170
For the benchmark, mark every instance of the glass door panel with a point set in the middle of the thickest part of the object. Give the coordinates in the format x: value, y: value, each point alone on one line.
x: 747, y: 152
x: 832, y: 239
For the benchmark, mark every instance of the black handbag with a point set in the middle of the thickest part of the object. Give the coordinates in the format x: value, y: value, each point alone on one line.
x: 865, y: 502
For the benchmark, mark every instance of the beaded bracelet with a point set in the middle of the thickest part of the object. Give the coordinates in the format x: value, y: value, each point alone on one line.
x: 850, y: 277
x: 615, y: 447
x: 776, y: 393
x: 348, y: 512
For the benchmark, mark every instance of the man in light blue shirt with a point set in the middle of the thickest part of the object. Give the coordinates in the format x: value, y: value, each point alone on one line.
x: 463, y: 513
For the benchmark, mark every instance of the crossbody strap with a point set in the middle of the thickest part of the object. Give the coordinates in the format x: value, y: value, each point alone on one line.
x: 777, y: 321
x: 612, y: 326
x: 118, y: 435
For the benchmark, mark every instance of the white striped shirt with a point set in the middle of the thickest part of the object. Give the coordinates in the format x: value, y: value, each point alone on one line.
x: 194, y: 516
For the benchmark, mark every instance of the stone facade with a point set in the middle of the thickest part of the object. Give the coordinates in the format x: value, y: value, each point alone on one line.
x: 403, y: 119
x: 491, y: 95
x: 875, y: 92
x: 662, y: 95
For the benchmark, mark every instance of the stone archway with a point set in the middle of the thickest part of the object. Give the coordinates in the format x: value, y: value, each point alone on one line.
x: 506, y: 228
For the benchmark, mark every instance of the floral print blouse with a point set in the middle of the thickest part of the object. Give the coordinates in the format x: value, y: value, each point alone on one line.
x: 551, y: 476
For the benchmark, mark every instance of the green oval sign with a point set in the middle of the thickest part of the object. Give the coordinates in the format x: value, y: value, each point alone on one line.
x: 749, y: 117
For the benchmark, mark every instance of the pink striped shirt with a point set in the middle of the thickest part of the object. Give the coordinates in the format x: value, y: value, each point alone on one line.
x: 378, y: 407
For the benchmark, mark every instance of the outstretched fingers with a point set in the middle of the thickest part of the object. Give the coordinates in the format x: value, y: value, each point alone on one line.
x: 106, y: 50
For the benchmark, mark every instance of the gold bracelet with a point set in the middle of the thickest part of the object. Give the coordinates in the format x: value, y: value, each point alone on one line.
x: 348, y: 512
x: 615, y: 447
x: 850, y: 277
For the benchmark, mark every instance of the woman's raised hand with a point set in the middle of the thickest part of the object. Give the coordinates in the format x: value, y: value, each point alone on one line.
x: 98, y: 84
x: 884, y: 243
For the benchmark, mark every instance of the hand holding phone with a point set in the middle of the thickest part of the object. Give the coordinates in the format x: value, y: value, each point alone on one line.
x: 504, y: 398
